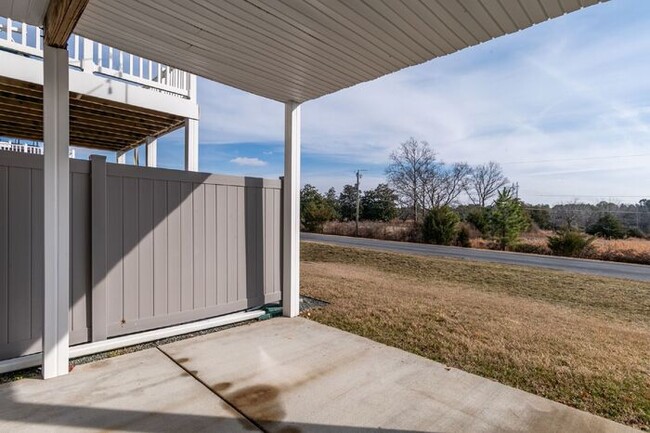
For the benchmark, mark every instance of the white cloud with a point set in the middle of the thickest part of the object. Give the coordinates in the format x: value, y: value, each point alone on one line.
x: 561, y: 94
x: 248, y: 162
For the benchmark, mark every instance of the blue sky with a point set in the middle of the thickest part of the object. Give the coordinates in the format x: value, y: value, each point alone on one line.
x: 563, y: 106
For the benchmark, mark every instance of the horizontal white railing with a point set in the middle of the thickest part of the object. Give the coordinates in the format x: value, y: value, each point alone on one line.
x: 97, y: 58
x: 26, y: 148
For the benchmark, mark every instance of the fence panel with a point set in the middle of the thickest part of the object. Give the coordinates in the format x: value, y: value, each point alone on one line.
x: 149, y: 248
x: 185, y: 246
x: 21, y: 253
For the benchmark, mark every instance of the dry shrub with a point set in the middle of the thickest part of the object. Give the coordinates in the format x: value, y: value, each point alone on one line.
x: 622, y: 255
x: 631, y: 244
x: 533, y: 248
x: 631, y: 250
x: 397, y: 230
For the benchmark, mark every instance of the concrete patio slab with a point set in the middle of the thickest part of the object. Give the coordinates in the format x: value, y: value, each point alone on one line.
x: 294, y: 375
x: 139, y: 392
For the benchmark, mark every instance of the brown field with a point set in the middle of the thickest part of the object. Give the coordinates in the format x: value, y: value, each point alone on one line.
x: 580, y: 340
x: 390, y: 231
x: 602, y: 245
x: 631, y: 250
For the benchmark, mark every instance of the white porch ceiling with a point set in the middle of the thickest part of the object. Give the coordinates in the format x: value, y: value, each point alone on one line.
x: 27, y: 11
x: 296, y: 50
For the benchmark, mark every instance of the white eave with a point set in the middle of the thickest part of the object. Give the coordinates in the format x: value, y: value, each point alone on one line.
x: 296, y: 50
x: 28, y: 11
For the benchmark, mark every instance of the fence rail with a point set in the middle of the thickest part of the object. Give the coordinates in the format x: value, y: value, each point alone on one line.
x: 149, y: 248
x: 97, y: 58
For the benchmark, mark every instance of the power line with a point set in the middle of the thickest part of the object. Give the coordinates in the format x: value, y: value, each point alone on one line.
x: 589, y: 196
x: 589, y: 158
x: 564, y: 209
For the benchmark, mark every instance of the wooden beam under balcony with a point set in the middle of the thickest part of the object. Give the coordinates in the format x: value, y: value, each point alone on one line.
x: 61, y: 19
x: 94, y: 122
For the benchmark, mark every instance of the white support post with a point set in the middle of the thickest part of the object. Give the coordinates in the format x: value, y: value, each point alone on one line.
x: 192, y: 132
x: 191, y: 145
x: 291, y: 212
x: 151, y: 150
x: 56, y: 138
x: 121, y: 157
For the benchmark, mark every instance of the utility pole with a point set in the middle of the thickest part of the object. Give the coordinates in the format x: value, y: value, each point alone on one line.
x: 356, y: 231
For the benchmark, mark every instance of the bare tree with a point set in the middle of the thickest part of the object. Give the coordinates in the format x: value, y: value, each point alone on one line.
x: 449, y: 182
x: 484, y: 182
x: 432, y: 185
x: 408, y: 171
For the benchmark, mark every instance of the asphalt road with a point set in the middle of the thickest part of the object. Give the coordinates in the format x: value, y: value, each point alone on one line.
x: 594, y: 267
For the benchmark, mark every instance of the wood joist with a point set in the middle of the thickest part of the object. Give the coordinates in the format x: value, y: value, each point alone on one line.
x: 94, y: 123
x: 60, y: 20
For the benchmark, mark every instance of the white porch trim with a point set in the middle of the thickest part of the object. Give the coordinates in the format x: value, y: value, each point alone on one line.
x: 56, y: 138
x: 291, y: 215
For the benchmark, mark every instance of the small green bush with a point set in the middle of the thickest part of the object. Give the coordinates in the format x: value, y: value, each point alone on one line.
x: 521, y: 247
x: 440, y: 226
x: 478, y: 217
x: 570, y: 243
x: 634, y: 232
x: 314, y: 215
x: 607, y: 226
x: 463, y: 237
x: 507, y: 219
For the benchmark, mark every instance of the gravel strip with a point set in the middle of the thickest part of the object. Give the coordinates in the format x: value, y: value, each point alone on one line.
x: 35, y: 372
x: 307, y: 303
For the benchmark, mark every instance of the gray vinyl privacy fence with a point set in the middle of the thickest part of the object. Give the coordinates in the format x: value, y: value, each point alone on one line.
x: 149, y: 248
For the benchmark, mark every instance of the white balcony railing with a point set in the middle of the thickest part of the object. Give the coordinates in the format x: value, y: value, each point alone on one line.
x: 97, y: 58
x: 26, y: 148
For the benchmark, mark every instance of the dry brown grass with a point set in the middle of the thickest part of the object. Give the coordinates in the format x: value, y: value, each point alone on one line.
x: 637, y: 245
x: 580, y: 340
x: 630, y: 244
x: 391, y: 231
x: 632, y: 250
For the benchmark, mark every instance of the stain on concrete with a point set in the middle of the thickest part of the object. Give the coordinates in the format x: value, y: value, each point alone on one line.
x: 221, y: 386
x: 259, y: 402
x: 182, y: 360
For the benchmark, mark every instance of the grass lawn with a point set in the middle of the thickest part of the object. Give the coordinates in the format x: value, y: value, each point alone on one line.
x: 576, y: 339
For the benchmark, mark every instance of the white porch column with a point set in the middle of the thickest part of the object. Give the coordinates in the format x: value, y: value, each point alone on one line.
x: 291, y: 212
x: 192, y: 131
x: 151, y: 150
x: 121, y: 157
x: 56, y: 138
x: 191, y: 145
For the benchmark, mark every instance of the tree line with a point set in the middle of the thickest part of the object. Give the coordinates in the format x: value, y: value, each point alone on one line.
x: 438, y: 197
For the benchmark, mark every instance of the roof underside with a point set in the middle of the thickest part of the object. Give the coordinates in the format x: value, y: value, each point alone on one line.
x: 27, y: 11
x: 94, y: 122
x: 296, y: 50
